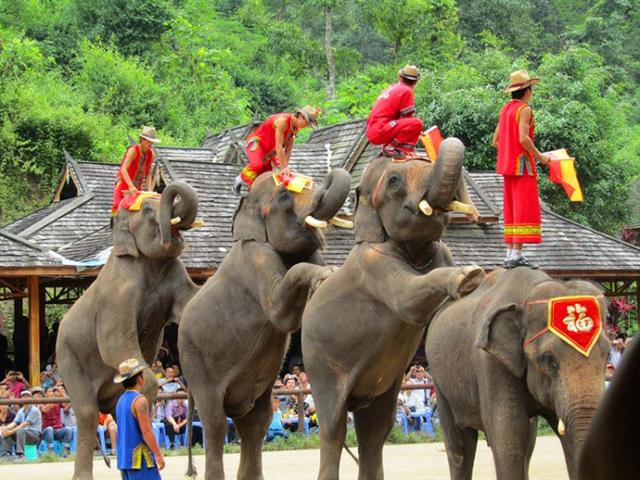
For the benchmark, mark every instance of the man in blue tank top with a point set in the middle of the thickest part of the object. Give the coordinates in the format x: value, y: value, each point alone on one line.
x: 139, y: 457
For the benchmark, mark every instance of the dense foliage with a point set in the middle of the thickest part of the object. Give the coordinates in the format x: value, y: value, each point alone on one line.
x: 82, y: 75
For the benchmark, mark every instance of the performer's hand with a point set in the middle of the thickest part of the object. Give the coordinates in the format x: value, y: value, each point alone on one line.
x: 544, y: 159
x: 160, y: 461
x: 473, y: 216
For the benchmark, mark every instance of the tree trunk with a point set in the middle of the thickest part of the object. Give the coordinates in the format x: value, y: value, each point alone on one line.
x: 328, y: 45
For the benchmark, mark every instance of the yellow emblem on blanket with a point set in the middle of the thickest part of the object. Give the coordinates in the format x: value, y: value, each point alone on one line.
x: 292, y: 181
x: 134, y: 202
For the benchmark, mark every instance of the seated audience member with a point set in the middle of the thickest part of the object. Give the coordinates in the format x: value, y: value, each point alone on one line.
x: 296, y: 369
x: 52, y: 426
x: 170, y: 384
x: 159, y: 410
x: 308, y: 398
x: 158, y: 369
x: 276, y: 428
x: 278, y: 385
x: 291, y: 414
x: 418, y: 399
x: 608, y: 375
x: 67, y: 415
x: 25, y: 429
x: 179, y: 377
x: 15, y: 382
x: 175, y: 422
x: 6, y: 414
x: 107, y: 421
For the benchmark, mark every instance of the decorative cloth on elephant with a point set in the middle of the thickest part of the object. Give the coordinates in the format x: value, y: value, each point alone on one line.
x: 293, y: 181
x: 391, y: 122
x: 576, y: 320
x: 133, y: 201
x: 138, y: 171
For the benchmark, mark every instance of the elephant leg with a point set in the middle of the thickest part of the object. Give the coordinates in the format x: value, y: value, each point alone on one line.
x: 373, y: 425
x: 214, y: 423
x: 85, y: 406
x: 510, y: 440
x: 332, y: 417
x: 460, y: 443
x: 252, y: 429
x: 532, y: 444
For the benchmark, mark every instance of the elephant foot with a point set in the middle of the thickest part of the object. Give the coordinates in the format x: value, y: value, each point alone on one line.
x: 82, y: 476
x: 468, y: 280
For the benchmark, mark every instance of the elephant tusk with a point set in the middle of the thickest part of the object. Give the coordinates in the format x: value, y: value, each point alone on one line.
x: 457, y: 206
x: 197, y: 223
x: 314, y: 222
x: 175, y: 220
x: 425, y: 208
x: 341, y: 223
x: 561, y: 428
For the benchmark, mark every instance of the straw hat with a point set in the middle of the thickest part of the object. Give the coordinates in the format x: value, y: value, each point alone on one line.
x: 149, y: 133
x: 410, y: 72
x: 520, y: 79
x: 310, y: 114
x: 128, y: 369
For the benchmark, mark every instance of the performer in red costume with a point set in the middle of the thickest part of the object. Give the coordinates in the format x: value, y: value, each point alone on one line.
x: 516, y: 163
x: 391, y: 122
x: 135, y: 169
x: 270, y: 145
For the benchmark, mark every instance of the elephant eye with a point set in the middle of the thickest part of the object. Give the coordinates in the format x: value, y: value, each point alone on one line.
x: 147, y: 210
x: 548, y: 362
x: 394, y: 181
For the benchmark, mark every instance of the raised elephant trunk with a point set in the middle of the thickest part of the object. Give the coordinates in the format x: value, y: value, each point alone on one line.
x: 179, y: 215
x: 330, y: 196
x: 445, y: 177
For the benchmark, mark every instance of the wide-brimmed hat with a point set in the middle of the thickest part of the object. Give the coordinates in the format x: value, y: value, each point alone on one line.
x: 149, y: 133
x: 310, y: 114
x: 128, y: 369
x: 520, y: 79
x: 410, y: 72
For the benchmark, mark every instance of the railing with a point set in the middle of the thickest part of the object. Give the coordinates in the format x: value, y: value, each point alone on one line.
x: 300, y: 393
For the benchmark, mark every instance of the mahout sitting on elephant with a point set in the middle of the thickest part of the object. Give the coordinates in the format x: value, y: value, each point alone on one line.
x: 234, y: 333
x: 142, y: 287
x: 523, y: 345
x: 611, y: 448
x: 364, y: 323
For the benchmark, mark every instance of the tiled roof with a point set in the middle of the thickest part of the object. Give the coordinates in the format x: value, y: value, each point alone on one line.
x: 219, y: 143
x: 342, y: 139
x: 16, y: 252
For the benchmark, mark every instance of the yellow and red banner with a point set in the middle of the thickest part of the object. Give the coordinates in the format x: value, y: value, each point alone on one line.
x: 431, y: 139
x: 562, y: 170
x: 292, y: 181
x: 576, y: 320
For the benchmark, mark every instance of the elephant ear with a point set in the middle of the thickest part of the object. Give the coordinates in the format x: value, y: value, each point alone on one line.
x: 501, y: 337
x: 368, y: 226
x: 248, y: 223
x: 124, y: 243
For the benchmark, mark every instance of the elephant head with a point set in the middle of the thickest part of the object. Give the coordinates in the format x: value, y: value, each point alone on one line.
x: 152, y: 229
x: 290, y: 222
x: 409, y: 200
x: 565, y: 383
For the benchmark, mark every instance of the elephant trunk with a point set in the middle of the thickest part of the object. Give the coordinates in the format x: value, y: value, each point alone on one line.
x: 445, y: 178
x: 576, y: 422
x: 179, y: 215
x: 330, y: 196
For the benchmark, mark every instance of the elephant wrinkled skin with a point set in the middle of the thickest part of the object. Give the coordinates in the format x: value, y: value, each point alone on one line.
x: 234, y: 333
x: 364, y: 323
x: 142, y: 287
x: 487, y: 378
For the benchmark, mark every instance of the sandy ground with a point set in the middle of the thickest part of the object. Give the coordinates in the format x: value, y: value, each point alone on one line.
x: 406, y: 462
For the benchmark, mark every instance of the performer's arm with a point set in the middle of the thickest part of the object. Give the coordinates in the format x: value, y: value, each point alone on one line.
x: 525, y: 140
x: 283, y: 158
x: 496, y: 136
x: 124, y: 173
x: 149, y: 179
x: 141, y: 411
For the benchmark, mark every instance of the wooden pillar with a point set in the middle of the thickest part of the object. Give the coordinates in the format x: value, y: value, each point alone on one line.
x: 33, y: 285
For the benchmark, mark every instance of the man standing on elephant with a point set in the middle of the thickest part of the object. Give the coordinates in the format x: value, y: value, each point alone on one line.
x: 270, y: 145
x: 517, y: 153
x: 136, y: 442
x: 135, y: 169
x: 391, y: 122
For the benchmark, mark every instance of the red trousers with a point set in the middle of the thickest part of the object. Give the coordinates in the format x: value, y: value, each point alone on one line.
x: 402, y: 134
x: 259, y: 162
x: 521, y: 209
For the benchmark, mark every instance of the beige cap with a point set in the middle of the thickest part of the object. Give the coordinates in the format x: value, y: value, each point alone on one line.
x: 410, y: 72
x: 149, y: 133
x: 520, y: 79
x: 128, y: 369
x: 310, y: 114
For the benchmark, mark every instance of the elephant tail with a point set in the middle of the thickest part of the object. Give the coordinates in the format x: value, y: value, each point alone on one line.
x: 191, y: 468
x: 355, y: 459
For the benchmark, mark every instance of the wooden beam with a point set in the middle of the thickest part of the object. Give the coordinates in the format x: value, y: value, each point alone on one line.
x: 33, y: 284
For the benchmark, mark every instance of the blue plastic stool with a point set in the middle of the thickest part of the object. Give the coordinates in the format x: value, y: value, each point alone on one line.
x: 74, y: 439
x: 103, y: 442
x: 159, y: 432
x: 199, y: 425
x: 402, y: 419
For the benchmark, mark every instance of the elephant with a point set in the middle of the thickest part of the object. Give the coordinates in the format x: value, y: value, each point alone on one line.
x: 364, y: 323
x: 235, y: 331
x: 497, y: 367
x: 610, y: 448
x: 142, y: 287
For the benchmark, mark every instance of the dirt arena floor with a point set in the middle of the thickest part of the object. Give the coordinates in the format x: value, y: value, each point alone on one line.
x: 405, y: 462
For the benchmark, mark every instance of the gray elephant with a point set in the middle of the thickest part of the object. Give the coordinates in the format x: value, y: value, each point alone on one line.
x: 142, y: 287
x: 364, y: 323
x: 234, y: 333
x: 497, y: 367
